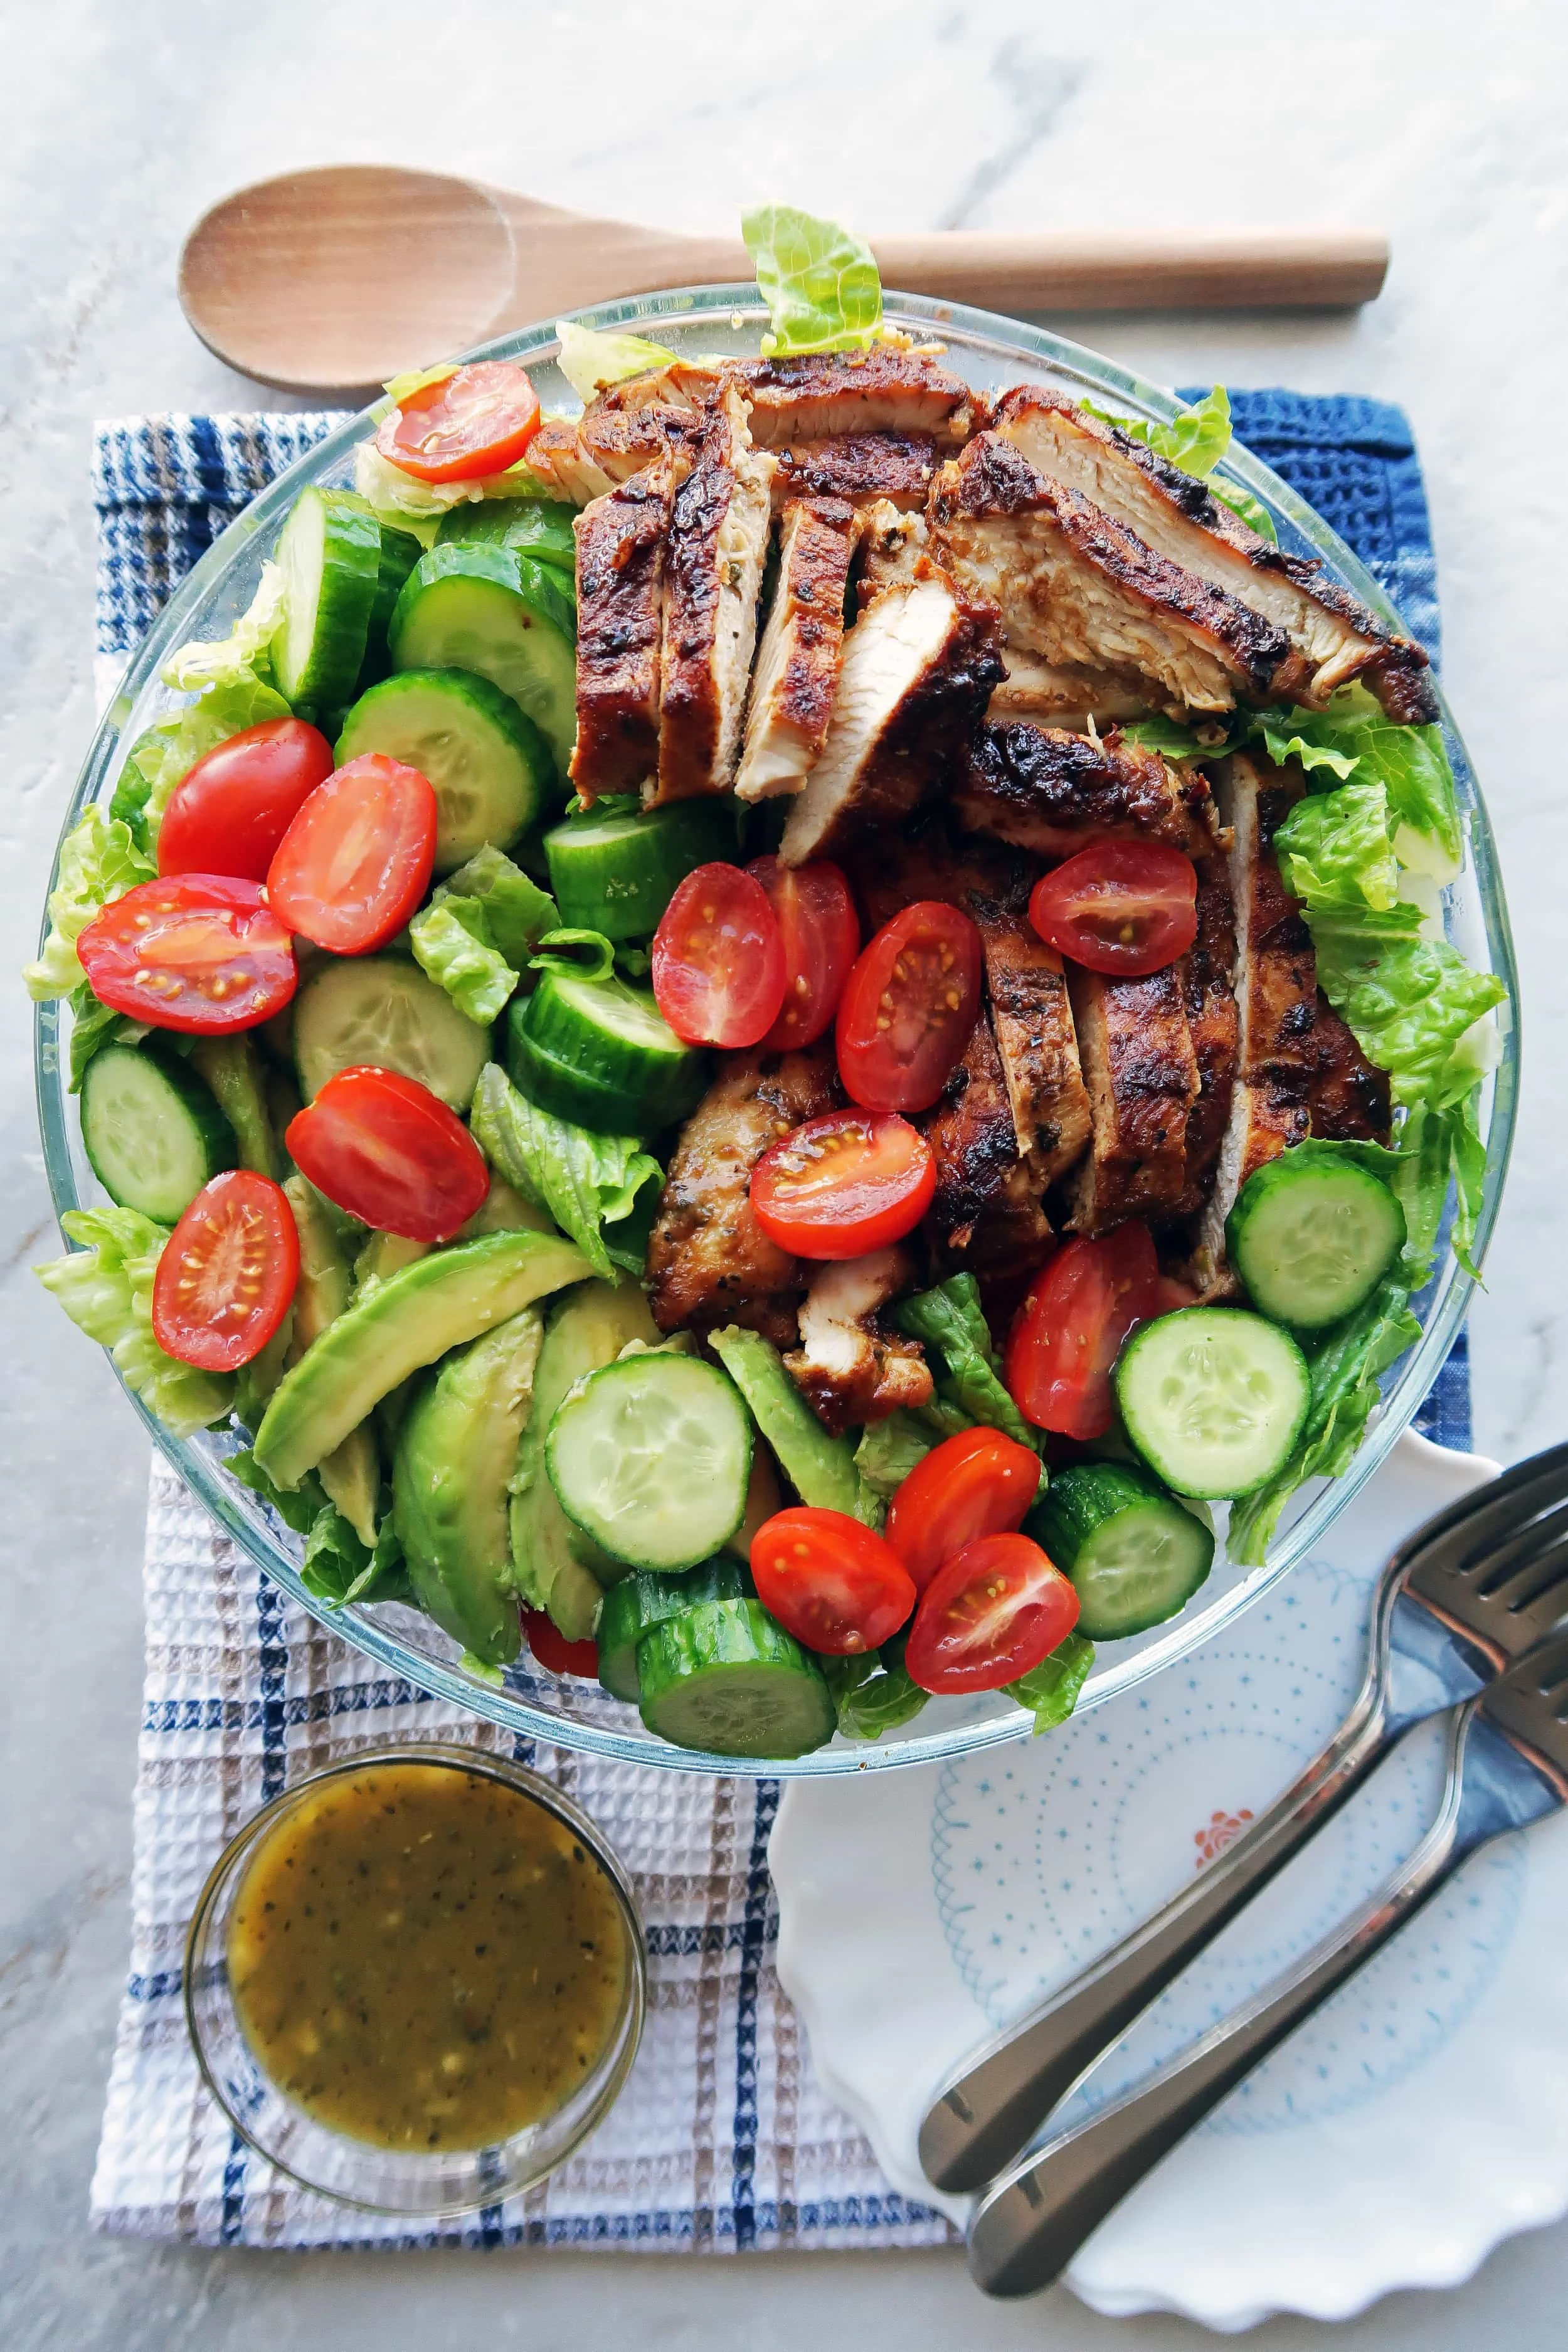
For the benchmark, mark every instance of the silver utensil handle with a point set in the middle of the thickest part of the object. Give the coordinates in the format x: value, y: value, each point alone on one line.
x: 1028, y: 2228
x: 984, y: 2114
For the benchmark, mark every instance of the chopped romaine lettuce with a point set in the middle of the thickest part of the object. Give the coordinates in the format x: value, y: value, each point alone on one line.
x: 99, y: 861
x: 821, y: 284
x: 416, y: 507
x: 579, y: 954
x: 591, y: 359
x: 106, y: 1288
x: 873, y: 1693
x: 94, y: 1024
x: 890, y: 1449
x: 518, y: 913
x: 241, y: 656
x: 1335, y: 850
x: 299, y: 1508
x: 1173, y: 741
x: 1355, y: 734
x: 452, y: 943
x: 950, y: 1320
x: 600, y: 1189
x: 1050, y: 1691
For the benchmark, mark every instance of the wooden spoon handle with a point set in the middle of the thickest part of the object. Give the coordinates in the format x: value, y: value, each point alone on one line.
x: 1073, y: 269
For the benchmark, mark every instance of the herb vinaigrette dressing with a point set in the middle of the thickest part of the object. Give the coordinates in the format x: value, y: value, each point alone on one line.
x: 424, y: 1958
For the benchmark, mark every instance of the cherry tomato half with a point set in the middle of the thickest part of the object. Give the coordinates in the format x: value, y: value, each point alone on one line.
x: 357, y: 858
x: 821, y: 933
x: 197, y: 952
x: 233, y: 808
x: 554, y: 1652
x: 850, y: 1181
x: 992, y: 1614
x: 384, y: 1148
x: 830, y: 1581
x: 908, y: 1008
x: 1069, y: 1331
x: 227, y: 1274
x: 718, y: 959
x: 1126, y: 906
x: 980, y: 1483
x: 478, y: 420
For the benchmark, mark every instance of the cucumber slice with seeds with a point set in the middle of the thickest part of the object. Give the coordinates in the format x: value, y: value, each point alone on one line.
x: 1311, y: 1236
x: 471, y: 605
x: 489, y: 767
x: 152, y: 1131
x: 330, y: 556
x: 601, y: 1053
x: 726, y: 1678
x: 377, y: 1009
x: 1214, y: 1399
x: 614, y: 869
x: 1135, y: 1556
x: 651, y: 1456
x: 641, y: 1602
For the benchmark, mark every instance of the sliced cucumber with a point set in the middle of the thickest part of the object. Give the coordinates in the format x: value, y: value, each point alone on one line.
x: 399, y: 554
x: 231, y: 1067
x: 601, y: 1053
x: 1213, y: 1398
x: 725, y: 1678
x: 490, y: 766
x: 538, y: 527
x: 1135, y: 1556
x: 475, y: 606
x: 614, y: 869
x: 651, y: 1456
x: 1313, y: 1235
x: 330, y: 556
x: 153, y: 1132
x: 377, y: 1009
x: 634, y: 1606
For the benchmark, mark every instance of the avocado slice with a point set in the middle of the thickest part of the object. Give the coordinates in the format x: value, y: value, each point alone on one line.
x: 414, y: 1316
x: 820, y: 1468
x: 455, y: 1455
x: 352, y: 1472
x: 559, y: 1568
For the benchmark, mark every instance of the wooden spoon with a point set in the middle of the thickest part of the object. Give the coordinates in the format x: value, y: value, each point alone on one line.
x: 333, y: 280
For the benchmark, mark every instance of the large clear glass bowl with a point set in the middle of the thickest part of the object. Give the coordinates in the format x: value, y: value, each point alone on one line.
x: 990, y: 352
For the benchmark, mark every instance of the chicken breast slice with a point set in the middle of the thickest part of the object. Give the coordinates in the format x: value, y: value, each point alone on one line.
x: 1208, y: 991
x: 1143, y: 1079
x: 713, y: 573
x: 850, y: 1366
x: 825, y: 395
x: 985, y: 1217
x: 1065, y: 694
x: 859, y: 466
x: 1032, y: 1019
x: 1180, y: 517
x: 917, y: 670
x: 1075, y: 585
x: 1349, y: 1102
x: 708, y: 1261
x: 796, y: 674
x: 1052, y: 792
x: 621, y: 538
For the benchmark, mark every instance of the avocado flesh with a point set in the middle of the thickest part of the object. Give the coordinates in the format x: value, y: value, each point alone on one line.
x: 414, y: 1316
x: 231, y: 1067
x: 558, y: 1568
x: 820, y: 1468
x: 351, y: 1474
x: 455, y: 1456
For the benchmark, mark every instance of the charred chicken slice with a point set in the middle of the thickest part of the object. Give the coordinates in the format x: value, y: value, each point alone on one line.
x: 1181, y: 519
x: 621, y: 540
x: 1349, y: 1101
x: 1143, y: 1079
x: 859, y: 466
x: 797, y: 661
x: 1065, y: 694
x: 1052, y: 792
x: 708, y: 1261
x: 850, y: 1366
x: 986, y: 1217
x: 882, y: 390
x: 1033, y: 1023
x: 1207, y: 975
x: 714, y: 571
x: 1075, y: 585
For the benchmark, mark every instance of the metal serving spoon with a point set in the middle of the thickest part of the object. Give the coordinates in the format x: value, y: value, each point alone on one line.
x: 334, y: 279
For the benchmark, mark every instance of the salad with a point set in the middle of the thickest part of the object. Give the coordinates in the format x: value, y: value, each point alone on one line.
x: 761, y: 1037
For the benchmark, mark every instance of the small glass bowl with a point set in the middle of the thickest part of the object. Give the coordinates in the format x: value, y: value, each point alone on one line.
x: 429, y: 2186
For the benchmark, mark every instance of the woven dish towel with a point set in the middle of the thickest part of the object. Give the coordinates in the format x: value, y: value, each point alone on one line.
x: 722, y: 2140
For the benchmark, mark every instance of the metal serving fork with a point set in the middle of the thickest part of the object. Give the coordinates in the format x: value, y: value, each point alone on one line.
x: 1459, y: 1601
x: 1508, y: 1766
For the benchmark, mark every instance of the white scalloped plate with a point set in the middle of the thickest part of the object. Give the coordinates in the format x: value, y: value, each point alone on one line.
x: 1393, y: 2141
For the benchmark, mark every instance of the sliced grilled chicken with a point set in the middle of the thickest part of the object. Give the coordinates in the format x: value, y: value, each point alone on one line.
x: 1143, y: 1079
x: 888, y: 872
x: 1207, y: 981
x: 1349, y: 1101
x: 986, y: 1217
x: 797, y: 661
x: 1276, y: 995
x: 1033, y: 1023
x: 859, y: 466
x: 713, y: 573
x: 1046, y: 790
x: 560, y: 458
x: 708, y: 1261
x: 918, y: 669
x: 893, y: 543
x: 882, y: 390
x: 1180, y: 519
x: 621, y: 538
x: 1065, y: 694
x: 621, y: 431
x: 850, y: 1366
x: 1075, y: 585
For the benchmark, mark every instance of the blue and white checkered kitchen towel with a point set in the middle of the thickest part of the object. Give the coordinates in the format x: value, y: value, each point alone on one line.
x: 722, y: 2140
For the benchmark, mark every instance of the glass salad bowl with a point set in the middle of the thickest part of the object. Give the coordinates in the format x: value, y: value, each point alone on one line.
x: 990, y: 352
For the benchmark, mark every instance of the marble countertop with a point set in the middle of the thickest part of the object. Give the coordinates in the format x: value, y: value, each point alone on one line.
x: 1441, y: 121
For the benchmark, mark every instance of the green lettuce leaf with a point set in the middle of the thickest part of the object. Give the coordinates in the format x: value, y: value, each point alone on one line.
x: 99, y: 861
x: 1172, y: 740
x: 890, y: 1449
x: 1197, y: 440
x: 298, y: 1509
x: 1334, y: 849
x: 592, y: 360
x: 408, y: 504
x: 242, y: 657
x: 874, y: 1693
x: 577, y: 953
x: 1355, y: 734
x: 1287, y: 742
x: 821, y: 284
x: 517, y: 912
x: 106, y: 1288
x: 452, y: 944
x: 1050, y: 1691
x: 164, y: 753
x: 94, y: 1024
x: 950, y: 1320
x: 601, y: 1190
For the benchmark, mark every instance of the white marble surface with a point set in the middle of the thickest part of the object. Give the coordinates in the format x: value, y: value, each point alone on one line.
x: 1443, y: 121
